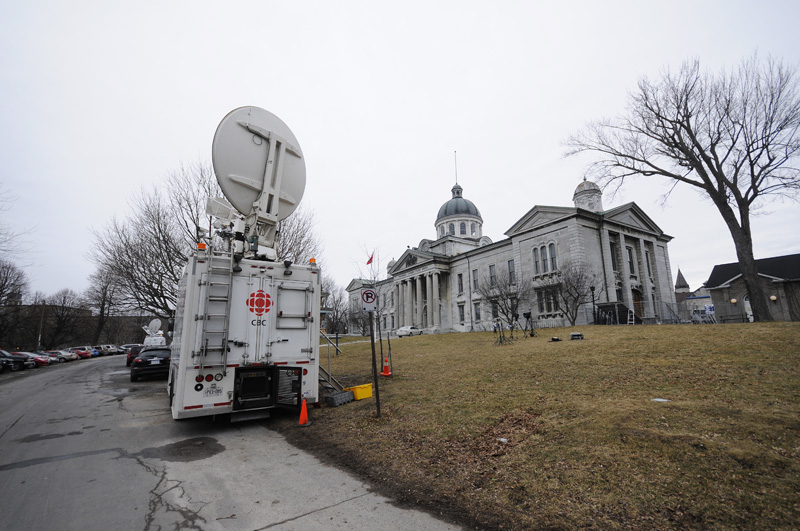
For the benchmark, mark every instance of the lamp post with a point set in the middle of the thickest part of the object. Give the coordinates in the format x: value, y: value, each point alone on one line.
x: 594, y: 312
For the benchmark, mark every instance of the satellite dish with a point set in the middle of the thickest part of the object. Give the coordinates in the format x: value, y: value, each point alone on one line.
x: 259, y: 165
x: 154, y: 327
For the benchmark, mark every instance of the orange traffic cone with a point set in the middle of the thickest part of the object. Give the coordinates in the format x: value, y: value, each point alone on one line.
x: 386, y: 371
x: 304, y: 416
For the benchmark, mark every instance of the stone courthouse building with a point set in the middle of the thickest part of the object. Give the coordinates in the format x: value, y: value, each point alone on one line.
x: 435, y: 286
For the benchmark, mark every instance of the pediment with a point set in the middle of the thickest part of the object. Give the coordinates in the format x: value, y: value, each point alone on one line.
x: 630, y: 215
x: 538, y: 216
x: 412, y: 258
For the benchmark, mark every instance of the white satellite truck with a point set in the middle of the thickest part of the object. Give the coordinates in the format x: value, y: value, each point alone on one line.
x: 246, y: 331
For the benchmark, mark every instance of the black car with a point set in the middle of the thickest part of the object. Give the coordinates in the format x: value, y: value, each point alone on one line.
x: 151, y: 361
x: 6, y: 364
x: 18, y: 362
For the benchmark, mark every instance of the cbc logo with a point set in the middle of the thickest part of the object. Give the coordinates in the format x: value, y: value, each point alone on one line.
x: 259, y: 303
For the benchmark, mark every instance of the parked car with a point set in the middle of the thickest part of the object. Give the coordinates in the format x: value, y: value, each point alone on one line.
x: 100, y: 350
x: 54, y: 355
x: 83, y: 352
x: 408, y: 331
x: 40, y: 360
x: 18, y: 361
x: 6, y: 365
x: 133, y: 350
x: 124, y: 348
x: 110, y: 349
x: 151, y: 361
x: 66, y: 354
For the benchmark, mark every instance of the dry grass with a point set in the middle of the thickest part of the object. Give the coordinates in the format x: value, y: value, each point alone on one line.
x: 559, y: 435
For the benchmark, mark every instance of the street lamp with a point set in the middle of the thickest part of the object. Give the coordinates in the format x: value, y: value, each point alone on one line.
x: 594, y: 312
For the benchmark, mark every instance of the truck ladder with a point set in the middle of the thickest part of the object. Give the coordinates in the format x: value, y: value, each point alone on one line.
x: 217, y: 307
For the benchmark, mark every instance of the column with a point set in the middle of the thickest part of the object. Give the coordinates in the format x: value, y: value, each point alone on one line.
x: 419, y: 301
x: 608, y: 270
x: 409, y: 303
x: 436, y: 317
x: 398, y: 305
x: 429, y: 299
x: 627, y: 297
x: 647, y: 287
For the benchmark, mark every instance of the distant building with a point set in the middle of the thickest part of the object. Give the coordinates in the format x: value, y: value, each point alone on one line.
x: 693, y: 306
x: 434, y: 286
x: 780, y: 278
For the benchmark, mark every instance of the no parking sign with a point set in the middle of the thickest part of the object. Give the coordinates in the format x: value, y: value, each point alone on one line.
x: 369, y: 300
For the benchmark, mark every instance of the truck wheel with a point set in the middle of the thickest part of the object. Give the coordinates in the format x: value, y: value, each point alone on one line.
x: 18, y: 366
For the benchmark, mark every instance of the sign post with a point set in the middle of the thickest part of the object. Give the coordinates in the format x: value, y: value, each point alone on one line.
x: 369, y: 303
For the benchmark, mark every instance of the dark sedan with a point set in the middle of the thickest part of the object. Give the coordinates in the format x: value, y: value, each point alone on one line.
x: 151, y: 361
x: 18, y: 361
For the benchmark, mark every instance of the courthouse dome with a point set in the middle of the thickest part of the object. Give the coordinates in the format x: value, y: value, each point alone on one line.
x: 458, y: 206
x: 588, y: 196
x: 459, y: 217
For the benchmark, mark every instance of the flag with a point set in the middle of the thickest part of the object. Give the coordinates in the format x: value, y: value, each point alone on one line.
x: 370, y: 258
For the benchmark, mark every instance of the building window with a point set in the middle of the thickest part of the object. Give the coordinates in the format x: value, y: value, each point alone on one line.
x: 540, y: 300
x: 461, y: 313
x: 553, y: 261
x: 647, y: 261
x: 392, y: 321
x: 543, y: 250
x: 460, y: 282
x: 475, y: 279
x: 462, y: 229
x: 476, y: 311
x: 492, y: 276
x: 613, y: 247
x: 441, y: 230
x: 631, y: 263
x: 512, y: 278
x: 535, y: 261
x: 494, y: 310
x: 472, y: 229
x: 451, y: 229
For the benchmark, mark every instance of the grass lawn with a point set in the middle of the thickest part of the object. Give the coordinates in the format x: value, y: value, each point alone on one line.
x: 541, y: 434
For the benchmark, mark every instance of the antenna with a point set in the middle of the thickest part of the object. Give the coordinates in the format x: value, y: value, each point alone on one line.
x: 455, y: 157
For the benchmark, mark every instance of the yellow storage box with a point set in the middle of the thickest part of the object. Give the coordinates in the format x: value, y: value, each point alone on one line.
x: 361, y: 392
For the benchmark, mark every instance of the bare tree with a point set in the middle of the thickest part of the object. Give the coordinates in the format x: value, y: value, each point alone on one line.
x: 734, y: 137
x: 336, y: 304
x: 13, y: 288
x: 296, y: 239
x: 571, y: 286
x: 102, y: 298
x: 145, y: 254
x: 506, y: 292
x: 67, y: 319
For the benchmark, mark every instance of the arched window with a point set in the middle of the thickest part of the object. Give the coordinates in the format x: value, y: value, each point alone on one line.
x: 462, y: 229
x: 441, y: 230
x: 543, y: 250
x: 535, y: 261
x: 472, y: 229
x: 451, y: 229
x: 553, y: 261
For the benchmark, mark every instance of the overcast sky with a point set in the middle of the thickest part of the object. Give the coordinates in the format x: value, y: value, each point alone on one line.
x: 101, y: 99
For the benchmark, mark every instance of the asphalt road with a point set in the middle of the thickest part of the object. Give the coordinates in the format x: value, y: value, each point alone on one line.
x: 81, y: 447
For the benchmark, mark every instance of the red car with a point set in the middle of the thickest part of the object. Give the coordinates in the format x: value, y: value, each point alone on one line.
x: 39, y: 359
x: 82, y: 352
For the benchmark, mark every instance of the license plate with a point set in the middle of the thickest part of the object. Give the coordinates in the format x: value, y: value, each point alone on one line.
x: 212, y: 391
x: 155, y: 361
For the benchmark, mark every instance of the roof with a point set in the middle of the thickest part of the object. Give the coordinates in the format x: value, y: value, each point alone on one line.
x: 780, y: 267
x: 458, y: 206
x: 680, y: 282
